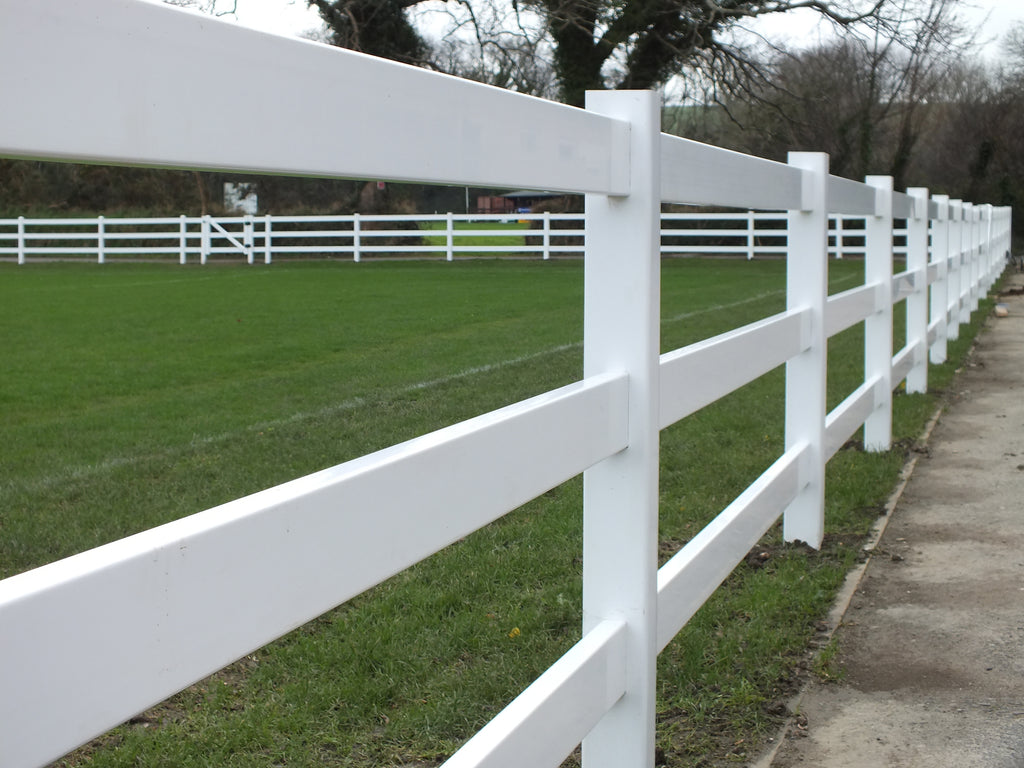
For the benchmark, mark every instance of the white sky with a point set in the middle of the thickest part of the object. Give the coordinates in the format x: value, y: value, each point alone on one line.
x: 1001, y: 16
x: 291, y: 17
x: 990, y: 18
x: 283, y: 17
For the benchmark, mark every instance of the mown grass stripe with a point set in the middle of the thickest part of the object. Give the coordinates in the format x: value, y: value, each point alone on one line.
x: 75, y: 473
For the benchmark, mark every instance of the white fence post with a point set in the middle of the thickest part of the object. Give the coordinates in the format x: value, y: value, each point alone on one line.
x: 973, y: 270
x: 967, y: 262
x: 204, y: 239
x: 750, y: 235
x: 955, y: 273
x: 21, y: 239
x: 940, y: 288
x: 1006, y: 226
x: 977, y: 250
x: 268, y: 227
x: 547, y: 235
x: 984, y: 260
x: 620, y: 494
x: 807, y: 288
x: 981, y: 255
x: 101, y: 244
x: 992, y: 254
x: 1008, y: 229
x: 247, y: 238
x: 984, y: 252
x: 917, y: 302
x: 182, y: 239
x: 356, y: 238
x: 839, y: 237
x: 878, y: 325
x: 449, y: 237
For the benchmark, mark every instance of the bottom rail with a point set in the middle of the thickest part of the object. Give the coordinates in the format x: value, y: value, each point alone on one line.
x: 546, y: 721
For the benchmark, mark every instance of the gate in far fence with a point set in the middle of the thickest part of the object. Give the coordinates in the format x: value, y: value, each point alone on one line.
x: 211, y: 225
x: 157, y: 611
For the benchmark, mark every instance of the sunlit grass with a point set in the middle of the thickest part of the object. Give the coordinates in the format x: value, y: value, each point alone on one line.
x: 461, y: 239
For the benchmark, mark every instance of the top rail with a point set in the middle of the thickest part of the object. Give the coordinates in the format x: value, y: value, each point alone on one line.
x: 850, y: 197
x: 465, y: 133
x: 717, y: 176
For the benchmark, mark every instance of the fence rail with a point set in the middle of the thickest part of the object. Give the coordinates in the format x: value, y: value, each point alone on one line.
x: 264, y: 238
x: 162, y: 609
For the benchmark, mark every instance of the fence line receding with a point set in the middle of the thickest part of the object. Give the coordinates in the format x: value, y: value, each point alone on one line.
x: 160, y: 610
x: 264, y: 238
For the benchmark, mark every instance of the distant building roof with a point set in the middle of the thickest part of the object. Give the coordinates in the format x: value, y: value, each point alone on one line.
x: 527, y: 193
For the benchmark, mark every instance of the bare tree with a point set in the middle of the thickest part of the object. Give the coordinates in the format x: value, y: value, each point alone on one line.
x: 976, y: 147
x: 378, y: 27
x: 211, y: 7
x: 643, y: 43
x: 865, y: 98
x: 497, y: 44
x: 593, y: 44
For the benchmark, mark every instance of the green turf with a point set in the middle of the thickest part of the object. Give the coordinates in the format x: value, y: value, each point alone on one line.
x: 459, y: 240
x: 136, y: 394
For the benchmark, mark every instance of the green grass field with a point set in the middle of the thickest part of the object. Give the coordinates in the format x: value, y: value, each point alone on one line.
x: 440, y: 240
x: 137, y: 394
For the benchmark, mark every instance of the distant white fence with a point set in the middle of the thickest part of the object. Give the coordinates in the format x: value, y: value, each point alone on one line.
x: 262, y: 238
x: 157, y: 611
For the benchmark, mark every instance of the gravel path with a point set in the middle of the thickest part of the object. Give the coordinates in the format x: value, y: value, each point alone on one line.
x: 932, y: 638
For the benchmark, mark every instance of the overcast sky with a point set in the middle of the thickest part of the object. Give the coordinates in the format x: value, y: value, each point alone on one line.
x: 293, y: 17
x: 991, y: 18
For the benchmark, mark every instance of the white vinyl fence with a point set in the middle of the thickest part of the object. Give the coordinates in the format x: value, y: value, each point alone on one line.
x: 262, y: 238
x: 157, y: 611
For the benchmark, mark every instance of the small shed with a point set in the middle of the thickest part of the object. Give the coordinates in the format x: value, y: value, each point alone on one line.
x: 521, y: 201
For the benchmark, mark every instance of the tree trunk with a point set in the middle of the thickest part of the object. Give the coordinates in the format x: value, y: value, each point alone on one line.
x: 204, y: 194
x: 578, y: 60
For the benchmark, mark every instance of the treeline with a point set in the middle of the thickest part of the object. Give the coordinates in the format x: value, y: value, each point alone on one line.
x: 35, y: 188
x: 953, y: 124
